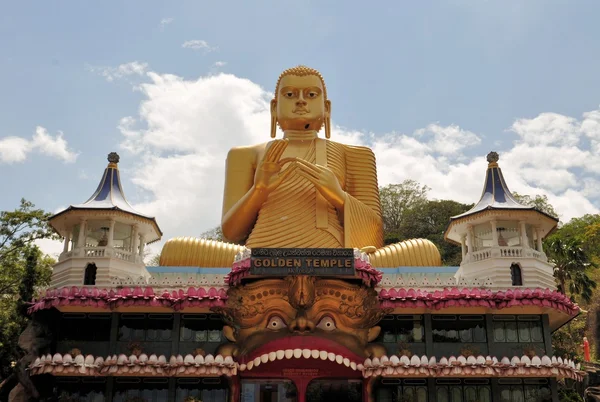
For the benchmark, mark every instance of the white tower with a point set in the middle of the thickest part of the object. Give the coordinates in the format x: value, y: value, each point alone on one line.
x: 501, y: 239
x: 104, y: 237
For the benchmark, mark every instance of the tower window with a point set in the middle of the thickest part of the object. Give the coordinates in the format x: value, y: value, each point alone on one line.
x: 89, y: 277
x: 515, y: 275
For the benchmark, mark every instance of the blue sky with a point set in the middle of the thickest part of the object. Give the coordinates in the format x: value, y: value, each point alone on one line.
x: 431, y: 86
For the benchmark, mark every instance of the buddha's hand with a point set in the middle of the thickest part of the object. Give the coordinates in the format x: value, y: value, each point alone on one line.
x: 269, y: 172
x: 324, y: 180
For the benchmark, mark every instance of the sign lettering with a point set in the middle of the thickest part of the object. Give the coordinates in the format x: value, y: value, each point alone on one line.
x: 302, y: 261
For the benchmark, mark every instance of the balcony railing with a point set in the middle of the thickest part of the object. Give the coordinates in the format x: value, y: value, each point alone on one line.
x: 101, y: 252
x: 504, y: 252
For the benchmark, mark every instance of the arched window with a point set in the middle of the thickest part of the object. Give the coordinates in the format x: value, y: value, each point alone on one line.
x: 515, y: 275
x: 89, y: 277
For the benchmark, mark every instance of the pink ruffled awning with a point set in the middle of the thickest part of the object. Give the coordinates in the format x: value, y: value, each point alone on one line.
x: 138, y: 296
x: 439, y: 299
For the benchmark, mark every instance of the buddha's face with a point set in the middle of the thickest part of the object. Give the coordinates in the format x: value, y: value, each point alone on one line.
x: 300, y: 103
x: 325, y: 315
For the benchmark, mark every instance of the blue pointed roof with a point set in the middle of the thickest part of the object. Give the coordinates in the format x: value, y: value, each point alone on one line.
x: 109, y: 195
x: 496, y: 195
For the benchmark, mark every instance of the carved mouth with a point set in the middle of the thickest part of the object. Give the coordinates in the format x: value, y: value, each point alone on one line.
x: 301, y: 347
x: 301, y: 111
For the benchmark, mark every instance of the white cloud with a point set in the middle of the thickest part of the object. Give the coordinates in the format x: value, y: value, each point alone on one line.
x: 220, y: 63
x: 185, y: 128
x: 16, y: 149
x: 132, y: 68
x: 53, y: 248
x: 198, y: 44
x: 166, y: 21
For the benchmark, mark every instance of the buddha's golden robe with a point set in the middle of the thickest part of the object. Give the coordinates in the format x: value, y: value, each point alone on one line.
x: 285, y: 217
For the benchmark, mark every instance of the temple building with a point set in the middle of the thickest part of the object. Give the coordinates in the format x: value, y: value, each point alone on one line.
x: 286, y: 320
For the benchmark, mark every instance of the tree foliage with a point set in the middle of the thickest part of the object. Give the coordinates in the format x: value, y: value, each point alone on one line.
x: 408, y: 214
x: 23, y: 269
x: 539, y: 202
x: 213, y: 234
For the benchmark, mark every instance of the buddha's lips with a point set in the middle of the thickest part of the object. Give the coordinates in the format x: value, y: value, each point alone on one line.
x: 298, y: 347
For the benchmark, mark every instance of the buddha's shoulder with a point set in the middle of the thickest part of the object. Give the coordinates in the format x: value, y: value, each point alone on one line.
x: 358, y: 150
x: 249, y: 152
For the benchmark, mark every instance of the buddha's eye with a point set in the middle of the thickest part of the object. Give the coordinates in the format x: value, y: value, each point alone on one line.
x: 289, y: 94
x: 276, y: 323
x: 326, y: 324
x: 312, y: 94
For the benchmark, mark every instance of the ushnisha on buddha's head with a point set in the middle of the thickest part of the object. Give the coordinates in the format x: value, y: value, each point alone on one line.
x: 300, y: 102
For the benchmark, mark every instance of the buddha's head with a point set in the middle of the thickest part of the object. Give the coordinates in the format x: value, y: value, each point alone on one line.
x: 300, y: 101
x: 331, y: 316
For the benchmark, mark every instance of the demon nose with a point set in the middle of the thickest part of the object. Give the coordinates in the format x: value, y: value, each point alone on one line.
x: 302, y: 324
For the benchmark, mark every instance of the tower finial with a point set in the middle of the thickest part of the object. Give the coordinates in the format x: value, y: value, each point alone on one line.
x: 113, y: 157
x: 493, y: 157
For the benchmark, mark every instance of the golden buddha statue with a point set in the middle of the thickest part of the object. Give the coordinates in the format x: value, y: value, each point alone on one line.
x: 301, y: 191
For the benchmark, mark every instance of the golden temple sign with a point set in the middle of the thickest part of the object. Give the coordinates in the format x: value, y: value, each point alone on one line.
x: 302, y: 261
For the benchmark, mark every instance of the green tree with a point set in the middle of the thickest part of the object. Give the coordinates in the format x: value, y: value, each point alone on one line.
x: 23, y: 269
x: 397, y: 200
x: 540, y: 202
x: 570, y: 267
x: 429, y: 221
x: 213, y: 234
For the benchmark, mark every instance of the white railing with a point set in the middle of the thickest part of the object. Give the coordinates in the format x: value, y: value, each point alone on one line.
x: 94, y: 251
x: 101, y: 252
x: 504, y: 252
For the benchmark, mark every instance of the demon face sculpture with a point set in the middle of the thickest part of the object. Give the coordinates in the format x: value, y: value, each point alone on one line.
x: 298, y: 313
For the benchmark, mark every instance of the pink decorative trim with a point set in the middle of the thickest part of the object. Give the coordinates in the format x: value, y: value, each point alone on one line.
x: 369, y: 275
x: 133, y: 365
x: 497, y: 300
x: 462, y: 366
x: 111, y: 299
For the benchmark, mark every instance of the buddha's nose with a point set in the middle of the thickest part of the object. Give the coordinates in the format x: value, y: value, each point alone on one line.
x: 301, y: 101
x: 302, y: 324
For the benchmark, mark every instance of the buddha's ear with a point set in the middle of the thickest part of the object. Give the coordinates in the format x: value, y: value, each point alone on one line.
x: 373, y: 333
x: 273, y: 107
x: 328, y: 107
x: 228, y: 332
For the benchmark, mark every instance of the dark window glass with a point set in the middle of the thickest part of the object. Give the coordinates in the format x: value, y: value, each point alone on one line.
x: 457, y: 390
x: 84, y: 327
x: 145, y: 327
x: 530, y: 390
x: 393, y: 390
x: 459, y: 329
x: 524, y: 329
x: 327, y: 390
x: 202, y: 389
x: 80, y: 389
x: 402, y: 328
x: 141, y: 390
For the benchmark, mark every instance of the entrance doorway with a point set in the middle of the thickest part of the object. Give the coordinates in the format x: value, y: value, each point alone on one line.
x: 329, y: 390
x: 268, y: 391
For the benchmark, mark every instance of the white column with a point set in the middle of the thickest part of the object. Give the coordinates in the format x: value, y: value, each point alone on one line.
x: 469, y: 239
x: 524, y: 240
x: 66, y: 244
x: 111, y: 232
x: 463, y: 246
x: 538, y: 235
x: 142, y: 244
x: 82, y: 236
x: 134, y: 238
x: 494, y: 234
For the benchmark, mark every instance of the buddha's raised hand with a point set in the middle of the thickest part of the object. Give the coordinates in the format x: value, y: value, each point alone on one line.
x: 268, y: 172
x: 324, y: 180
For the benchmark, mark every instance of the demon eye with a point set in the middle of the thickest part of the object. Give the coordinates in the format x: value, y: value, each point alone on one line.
x: 326, y: 324
x: 276, y: 323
